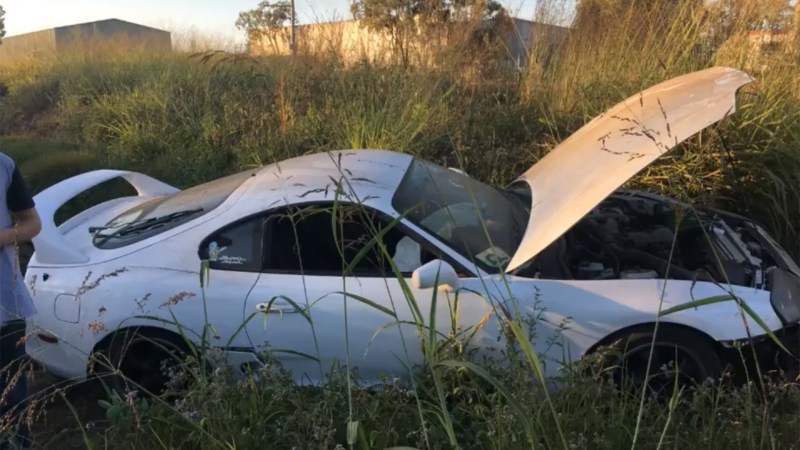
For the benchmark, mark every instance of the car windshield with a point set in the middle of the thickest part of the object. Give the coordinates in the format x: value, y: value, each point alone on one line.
x: 162, y: 213
x: 483, y: 223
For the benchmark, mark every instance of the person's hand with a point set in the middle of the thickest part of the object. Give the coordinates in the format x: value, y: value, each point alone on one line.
x: 28, y: 225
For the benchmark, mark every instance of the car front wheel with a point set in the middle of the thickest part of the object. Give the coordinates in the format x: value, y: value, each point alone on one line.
x: 678, y: 359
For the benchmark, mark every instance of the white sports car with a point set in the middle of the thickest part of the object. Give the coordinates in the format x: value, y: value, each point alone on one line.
x: 293, y: 242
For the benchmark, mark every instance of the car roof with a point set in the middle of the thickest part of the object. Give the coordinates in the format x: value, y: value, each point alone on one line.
x: 364, y: 174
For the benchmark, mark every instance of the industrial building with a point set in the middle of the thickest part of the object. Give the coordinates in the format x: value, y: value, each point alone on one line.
x: 83, y: 36
x: 354, y: 42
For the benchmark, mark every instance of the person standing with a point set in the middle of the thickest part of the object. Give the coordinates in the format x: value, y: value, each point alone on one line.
x: 19, y: 223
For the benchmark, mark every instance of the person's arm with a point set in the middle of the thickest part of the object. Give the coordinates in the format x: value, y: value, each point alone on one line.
x: 23, y: 211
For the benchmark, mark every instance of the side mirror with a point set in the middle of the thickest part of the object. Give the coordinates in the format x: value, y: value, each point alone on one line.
x: 425, y: 277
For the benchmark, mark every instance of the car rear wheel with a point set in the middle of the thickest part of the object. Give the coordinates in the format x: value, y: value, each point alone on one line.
x: 140, y: 360
x: 679, y: 359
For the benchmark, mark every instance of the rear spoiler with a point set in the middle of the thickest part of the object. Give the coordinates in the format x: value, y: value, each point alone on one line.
x: 50, y: 245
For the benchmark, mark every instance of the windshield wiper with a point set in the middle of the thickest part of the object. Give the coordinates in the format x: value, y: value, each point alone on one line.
x: 93, y: 230
x: 138, y: 226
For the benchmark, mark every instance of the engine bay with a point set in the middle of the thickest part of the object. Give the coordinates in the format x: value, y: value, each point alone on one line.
x: 632, y: 236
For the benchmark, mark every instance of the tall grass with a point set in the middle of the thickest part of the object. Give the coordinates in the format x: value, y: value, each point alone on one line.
x: 190, y: 118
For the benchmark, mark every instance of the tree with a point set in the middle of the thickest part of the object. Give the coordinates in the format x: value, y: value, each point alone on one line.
x: 266, y: 19
x: 2, y: 23
x: 595, y: 16
x: 390, y: 13
x: 766, y: 15
x: 734, y: 21
x: 795, y: 33
x: 404, y: 19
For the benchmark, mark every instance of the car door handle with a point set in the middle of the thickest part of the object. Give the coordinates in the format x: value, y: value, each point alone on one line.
x: 276, y: 307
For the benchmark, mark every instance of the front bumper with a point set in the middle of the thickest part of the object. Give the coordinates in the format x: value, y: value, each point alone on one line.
x: 762, y: 356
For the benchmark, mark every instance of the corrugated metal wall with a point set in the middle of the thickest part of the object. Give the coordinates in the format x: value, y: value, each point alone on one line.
x: 111, y: 32
x: 94, y: 36
x: 29, y: 45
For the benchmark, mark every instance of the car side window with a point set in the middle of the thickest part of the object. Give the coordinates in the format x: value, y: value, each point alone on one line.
x: 346, y: 238
x: 236, y: 247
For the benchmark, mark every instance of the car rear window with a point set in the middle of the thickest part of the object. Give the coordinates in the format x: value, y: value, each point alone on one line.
x: 195, y: 202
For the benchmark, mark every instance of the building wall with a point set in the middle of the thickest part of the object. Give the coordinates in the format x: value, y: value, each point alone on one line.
x: 354, y: 42
x: 28, y: 46
x: 98, y: 34
x: 349, y: 39
x: 526, y: 37
x: 88, y: 36
x: 757, y: 51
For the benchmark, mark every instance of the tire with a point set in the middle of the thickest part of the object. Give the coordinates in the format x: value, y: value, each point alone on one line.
x: 131, y: 360
x: 692, y: 353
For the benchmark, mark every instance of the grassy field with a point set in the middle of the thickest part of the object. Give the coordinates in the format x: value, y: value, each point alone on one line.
x: 187, y: 119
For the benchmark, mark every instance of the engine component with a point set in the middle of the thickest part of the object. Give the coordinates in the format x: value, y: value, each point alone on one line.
x: 638, y: 274
x: 638, y: 237
x: 594, y: 271
x: 731, y: 248
x: 659, y: 236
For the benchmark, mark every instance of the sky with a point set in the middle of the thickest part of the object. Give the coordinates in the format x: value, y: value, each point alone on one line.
x: 207, y: 17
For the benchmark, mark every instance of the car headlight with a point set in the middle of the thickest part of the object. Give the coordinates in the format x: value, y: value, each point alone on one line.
x: 785, y: 295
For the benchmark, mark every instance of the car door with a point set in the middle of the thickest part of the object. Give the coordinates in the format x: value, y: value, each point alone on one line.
x: 469, y: 316
x: 327, y: 294
x: 234, y: 256
x: 462, y: 316
x: 302, y: 312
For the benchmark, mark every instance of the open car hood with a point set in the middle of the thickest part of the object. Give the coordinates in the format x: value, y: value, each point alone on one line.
x: 612, y: 148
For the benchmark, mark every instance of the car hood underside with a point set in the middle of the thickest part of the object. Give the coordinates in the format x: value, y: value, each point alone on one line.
x: 612, y: 148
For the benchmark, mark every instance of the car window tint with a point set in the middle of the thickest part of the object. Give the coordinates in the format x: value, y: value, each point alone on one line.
x: 237, y: 247
x: 308, y: 240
